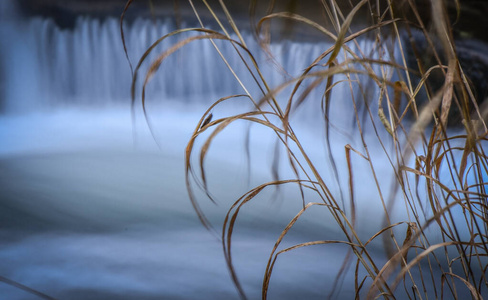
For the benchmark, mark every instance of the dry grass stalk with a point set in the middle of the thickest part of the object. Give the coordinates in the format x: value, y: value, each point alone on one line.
x: 438, y: 178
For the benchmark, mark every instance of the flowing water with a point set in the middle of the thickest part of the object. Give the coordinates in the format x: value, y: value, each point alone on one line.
x: 94, y: 206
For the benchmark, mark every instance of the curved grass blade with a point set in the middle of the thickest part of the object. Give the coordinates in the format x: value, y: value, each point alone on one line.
x: 25, y: 288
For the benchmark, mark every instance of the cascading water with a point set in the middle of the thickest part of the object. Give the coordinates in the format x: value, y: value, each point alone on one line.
x: 86, y: 65
x: 48, y: 68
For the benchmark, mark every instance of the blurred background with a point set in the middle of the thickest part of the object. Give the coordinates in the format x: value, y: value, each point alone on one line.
x: 93, y: 202
x: 91, y: 206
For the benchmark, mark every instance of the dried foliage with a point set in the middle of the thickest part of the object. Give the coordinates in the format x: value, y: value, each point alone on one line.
x: 411, y: 92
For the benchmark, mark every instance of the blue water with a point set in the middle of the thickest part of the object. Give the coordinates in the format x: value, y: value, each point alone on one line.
x: 94, y: 205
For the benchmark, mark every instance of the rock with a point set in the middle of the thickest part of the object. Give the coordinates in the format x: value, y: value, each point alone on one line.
x: 473, y: 59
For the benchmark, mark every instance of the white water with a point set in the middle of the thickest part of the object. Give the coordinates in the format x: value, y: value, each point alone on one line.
x: 93, y: 209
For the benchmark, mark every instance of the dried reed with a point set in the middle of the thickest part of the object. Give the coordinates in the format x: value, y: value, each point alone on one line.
x: 410, y: 106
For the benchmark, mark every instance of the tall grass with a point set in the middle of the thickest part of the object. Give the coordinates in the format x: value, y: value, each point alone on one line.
x: 409, y: 91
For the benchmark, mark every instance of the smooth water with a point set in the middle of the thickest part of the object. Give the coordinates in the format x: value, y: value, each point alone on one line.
x: 93, y: 208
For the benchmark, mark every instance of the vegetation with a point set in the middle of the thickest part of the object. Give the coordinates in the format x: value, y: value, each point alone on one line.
x: 428, y: 110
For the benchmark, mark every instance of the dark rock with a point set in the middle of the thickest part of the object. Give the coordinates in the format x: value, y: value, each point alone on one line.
x: 473, y: 59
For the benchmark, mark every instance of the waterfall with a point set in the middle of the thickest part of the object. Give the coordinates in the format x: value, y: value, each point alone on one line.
x: 49, y: 66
